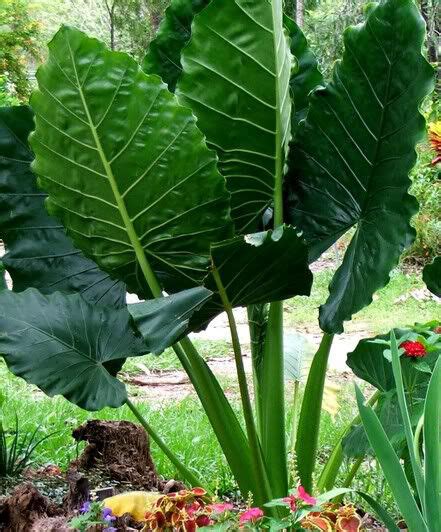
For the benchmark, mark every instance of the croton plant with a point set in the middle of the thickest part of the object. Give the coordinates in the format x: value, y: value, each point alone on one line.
x: 205, y: 179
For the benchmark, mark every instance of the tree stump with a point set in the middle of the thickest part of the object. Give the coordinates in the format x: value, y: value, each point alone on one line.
x: 119, y: 449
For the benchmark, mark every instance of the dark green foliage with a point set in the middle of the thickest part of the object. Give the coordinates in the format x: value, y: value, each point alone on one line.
x: 246, y: 266
x: 354, y: 152
x: 38, y: 252
x: 370, y: 361
x: 67, y: 346
x: 164, y: 52
x: 164, y: 321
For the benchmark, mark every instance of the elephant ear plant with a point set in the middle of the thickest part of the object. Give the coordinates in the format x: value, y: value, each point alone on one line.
x: 203, y: 191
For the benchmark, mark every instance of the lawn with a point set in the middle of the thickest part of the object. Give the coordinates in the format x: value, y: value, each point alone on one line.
x: 385, y: 311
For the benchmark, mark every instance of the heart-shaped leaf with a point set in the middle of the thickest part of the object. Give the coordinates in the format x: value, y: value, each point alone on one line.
x: 67, y: 346
x: 369, y: 363
x: 352, y: 155
x: 432, y: 276
x: 257, y: 268
x: 163, y: 56
x: 236, y: 73
x: 39, y: 254
x: 125, y: 167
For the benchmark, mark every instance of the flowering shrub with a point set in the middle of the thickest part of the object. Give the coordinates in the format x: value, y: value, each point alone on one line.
x: 305, y: 512
x: 191, y: 510
x: 183, y: 511
x: 93, y: 514
x: 333, y: 517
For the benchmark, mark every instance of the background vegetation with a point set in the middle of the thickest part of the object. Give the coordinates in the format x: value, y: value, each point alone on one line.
x: 129, y: 25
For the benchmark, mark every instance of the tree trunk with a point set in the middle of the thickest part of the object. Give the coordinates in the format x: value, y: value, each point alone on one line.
x: 111, y: 11
x: 300, y: 9
x: 430, y: 20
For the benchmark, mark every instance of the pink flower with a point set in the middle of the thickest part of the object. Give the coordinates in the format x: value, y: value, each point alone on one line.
x: 252, y: 514
x: 291, y: 501
x: 302, y: 494
x: 221, y: 507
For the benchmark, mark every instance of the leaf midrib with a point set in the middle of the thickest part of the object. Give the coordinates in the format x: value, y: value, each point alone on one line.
x: 278, y: 163
x: 133, y: 237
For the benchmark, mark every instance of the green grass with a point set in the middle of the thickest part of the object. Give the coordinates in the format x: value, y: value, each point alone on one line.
x: 182, y: 424
x: 379, y: 317
x: 169, y: 361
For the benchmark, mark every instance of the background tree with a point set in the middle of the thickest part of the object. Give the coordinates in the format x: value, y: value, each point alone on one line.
x: 19, y: 45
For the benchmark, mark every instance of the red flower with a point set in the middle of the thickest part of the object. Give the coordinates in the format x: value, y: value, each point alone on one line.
x: 413, y: 349
x: 291, y: 501
x: 437, y: 330
x: 302, y: 494
x: 252, y: 514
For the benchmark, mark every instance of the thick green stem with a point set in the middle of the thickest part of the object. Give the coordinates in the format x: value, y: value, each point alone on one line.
x: 295, y: 415
x: 222, y: 418
x: 185, y: 472
x: 309, y: 423
x: 263, y: 493
x: 330, y: 471
x: 273, y: 403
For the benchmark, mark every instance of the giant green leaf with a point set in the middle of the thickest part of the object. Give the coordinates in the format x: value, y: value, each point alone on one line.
x: 39, y: 254
x: 67, y: 346
x: 163, y: 56
x: 257, y: 268
x: 350, y: 163
x: 432, y: 276
x: 125, y: 167
x: 236, y: 72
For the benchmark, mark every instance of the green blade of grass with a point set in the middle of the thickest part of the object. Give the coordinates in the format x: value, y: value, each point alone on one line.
x: 432, y: 450
x: 396, y: 368
x: 391, y: 466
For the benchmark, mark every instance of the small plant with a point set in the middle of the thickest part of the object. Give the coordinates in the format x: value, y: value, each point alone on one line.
x: 299, y: 511
x: 421, y: 510
x: 94, y: 514
x: 17, y: 448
